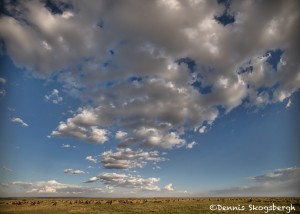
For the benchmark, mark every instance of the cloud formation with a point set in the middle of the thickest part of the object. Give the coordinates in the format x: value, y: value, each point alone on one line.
x: 73, y: 171
x: 128, y: 158
x: 67, y: 146
x: 191, y: 145
x: 83, y: 126
x: 20, y: 121
x: 127, y: 181
x: 51, y: 187
x: 280, y: 182
x: 120, y: 134
x: 156, y: 79
x: 5, y: 168
x: 169, y: 187
x: 2, y: 80
x: 91, y: 159
x: 54, y: 97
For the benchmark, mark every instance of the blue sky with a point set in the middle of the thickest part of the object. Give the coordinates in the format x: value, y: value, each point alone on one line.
x: 208, y: 108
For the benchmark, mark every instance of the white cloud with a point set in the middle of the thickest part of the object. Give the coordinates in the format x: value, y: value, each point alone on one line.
x: 156, y: 167
x: 92, y: 179
x: 129, y: 158
x: 142, y: 92
x: 2, y: 92
x: 289, y: 103
x: 202, y: 129
x: 152, y: 84
x: 120, y: 134
x: 91, y: 159
x: 191, y: 145
x: 54, y: 97
x: 169, y: 187
x: 20, y: 121
x: 2, y: 80
x: 82, y: 126
x: 67, y: 146
x: 154, y: 137
x: 73, y: 171
x: 49, y: 188
x: 280, y: 182
x: 127, y: 181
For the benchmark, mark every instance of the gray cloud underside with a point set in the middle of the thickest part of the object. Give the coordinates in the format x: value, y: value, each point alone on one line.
x: 126, y: 181
x: 128, y: 158
x: 120, y: 57
x: 280, y: 182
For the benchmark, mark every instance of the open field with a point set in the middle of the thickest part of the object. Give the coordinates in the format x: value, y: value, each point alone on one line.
x: 148, y: 205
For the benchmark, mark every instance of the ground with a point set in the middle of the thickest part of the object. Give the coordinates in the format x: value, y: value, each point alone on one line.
x: 148, y: 205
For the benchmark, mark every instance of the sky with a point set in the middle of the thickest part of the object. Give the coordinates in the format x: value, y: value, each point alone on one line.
x: 149, y: 98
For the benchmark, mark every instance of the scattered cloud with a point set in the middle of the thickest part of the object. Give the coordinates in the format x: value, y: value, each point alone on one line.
x: 5, y: 168
x: 120, y: 134
x: 52, y: 187
x: 54, y: 97
x: 154, y: 72
x: 202, y: 129
x: 73, y: 171
x: 289, y: 103
x: 67, y: 146
x: 280, y: 182
x: 91, y: 159
x: 169, y: 187
x: 151, y: 85
x: 82, y: 126
x: 156, y: 167
x: 129, y: 158
x: 150, y: 137
x: 2, y: 92
x: 126, y: 181
x: 191, y: 145
x: 20, y: 121
x: 2, y: 80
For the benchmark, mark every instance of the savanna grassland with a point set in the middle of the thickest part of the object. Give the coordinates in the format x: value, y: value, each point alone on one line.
x: 149, y: 205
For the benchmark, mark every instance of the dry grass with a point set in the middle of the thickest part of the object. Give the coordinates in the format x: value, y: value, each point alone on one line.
x: 138, y: 205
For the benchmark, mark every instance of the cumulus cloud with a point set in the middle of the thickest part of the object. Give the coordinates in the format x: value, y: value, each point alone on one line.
x: 73, y: 171
x: 20, y: 121
x: 127, y: 181
x: 91, y: 159
x: 54, y: 97
x: 82, y: 126
x: 169, y: 187
x: 120, y: 134
x: 280, y: 182
x: 147, y: 83
x: 51, y: 187
x: 191, y: 145
x: 129, y: 158
x: 202, y: 129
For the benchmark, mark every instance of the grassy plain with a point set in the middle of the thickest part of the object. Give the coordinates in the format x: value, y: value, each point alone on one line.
x: 145, y: 205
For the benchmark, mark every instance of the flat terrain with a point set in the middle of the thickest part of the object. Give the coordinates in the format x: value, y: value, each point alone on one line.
x: 148, y: 205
